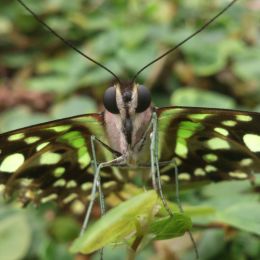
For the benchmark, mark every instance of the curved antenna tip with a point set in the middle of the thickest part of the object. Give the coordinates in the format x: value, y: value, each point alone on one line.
x: 185, y: 40
x: 66, y: 42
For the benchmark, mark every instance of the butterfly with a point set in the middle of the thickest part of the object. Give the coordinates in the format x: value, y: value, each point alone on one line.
x: 58, y: 160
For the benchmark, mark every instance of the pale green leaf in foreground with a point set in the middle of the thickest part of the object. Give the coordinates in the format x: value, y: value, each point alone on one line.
x: 130, y: 218
x: 15, y: 237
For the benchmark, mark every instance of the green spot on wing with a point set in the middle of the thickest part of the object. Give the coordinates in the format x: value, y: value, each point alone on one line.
x: 244, y: 118
x: 229, y: 123
x: 32, y: 139
x: 252, y: 141
x: 198, y: 116
x: 184, y: 176
x: 71, y: 184
x: 181, y: 148
x: 210, y: 168
x: 59, y: 183
x: 15, y: 137
x: 185, y: 130
x: 70, y: 198
x: 84, y: 160
x: 59, y: 171
x: 218, y: 143
x: 50, y: 158
x: 238, y: 174
x: 71, y: 136
x: 191, y: 126
x: 12, y: 162
x: 221, y: 131
x: 78, y: 142
x: 41, y: 146
x: 60, y: 128
x: 210, y: 157
x: 86, y: 186
x: 50, y: 197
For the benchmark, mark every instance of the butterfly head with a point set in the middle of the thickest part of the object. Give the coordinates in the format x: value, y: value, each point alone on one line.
x: 127, y: 108
x: 127, y: 98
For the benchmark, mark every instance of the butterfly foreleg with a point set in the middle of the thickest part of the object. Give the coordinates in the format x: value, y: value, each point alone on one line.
x: 101, y: 195
x: 97, y: 183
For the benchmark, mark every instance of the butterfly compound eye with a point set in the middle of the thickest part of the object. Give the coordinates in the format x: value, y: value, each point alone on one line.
x: 110, y: 100
x: 144, y: 99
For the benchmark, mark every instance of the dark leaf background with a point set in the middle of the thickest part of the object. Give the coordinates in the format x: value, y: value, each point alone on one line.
x: 41, y: 79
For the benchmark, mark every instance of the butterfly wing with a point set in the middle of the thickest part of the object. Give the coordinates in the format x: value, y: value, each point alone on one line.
x: 209, y: 144
x: 52, y: 161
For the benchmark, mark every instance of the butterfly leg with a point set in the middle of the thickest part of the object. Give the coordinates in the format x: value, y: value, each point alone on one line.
x: 101, y: 195
x: 155, y: 170
x: 178, y: 201
x: 96, y: 183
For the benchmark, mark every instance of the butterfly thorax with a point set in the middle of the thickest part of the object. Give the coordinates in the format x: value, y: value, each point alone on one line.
x: 128, y: 129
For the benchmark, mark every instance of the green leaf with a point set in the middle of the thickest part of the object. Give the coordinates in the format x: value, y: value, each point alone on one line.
x: 21, y: 117
x: 170, y: 227
x: 243, y: 216
x: 64, y: 228
x: 200, y: 98
x: 15, y: 237
x: 247, y: 64
x: 74, y: 106
x: 118, y: 223
x: 234, y: 205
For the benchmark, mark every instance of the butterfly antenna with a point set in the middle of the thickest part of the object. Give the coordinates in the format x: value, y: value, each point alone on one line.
x: 66, y: 42
x: 185, y: 40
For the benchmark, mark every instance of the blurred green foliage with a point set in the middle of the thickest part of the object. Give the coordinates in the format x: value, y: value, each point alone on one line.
x: 41, y: 79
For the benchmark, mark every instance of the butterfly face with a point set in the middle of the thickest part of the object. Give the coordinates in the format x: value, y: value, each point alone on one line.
x: 128, y: 111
